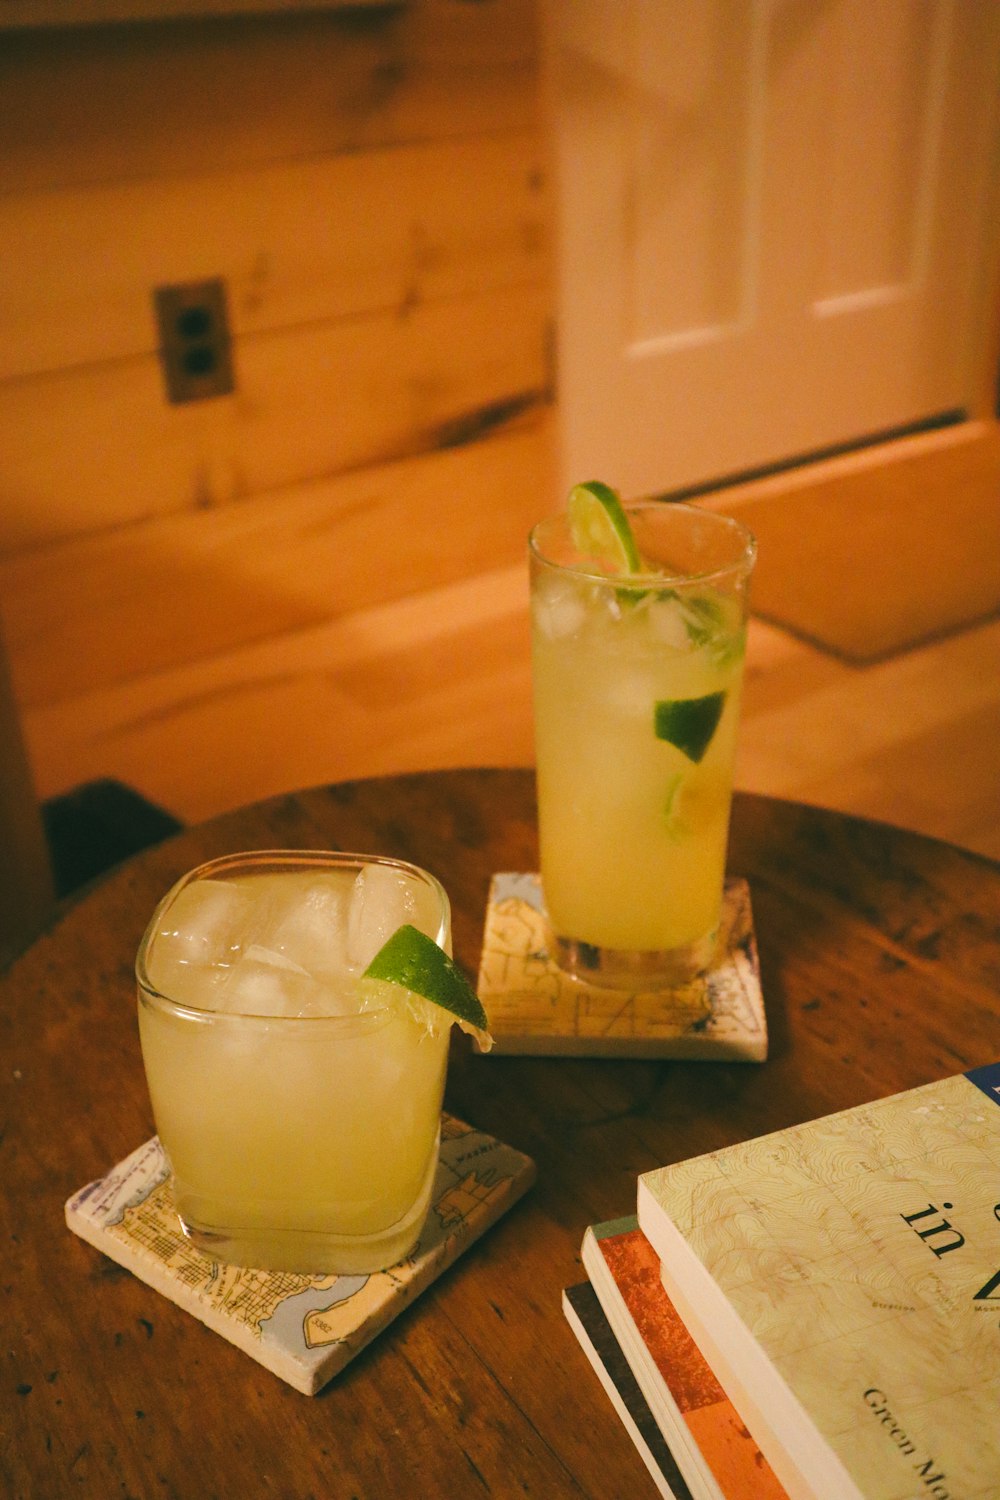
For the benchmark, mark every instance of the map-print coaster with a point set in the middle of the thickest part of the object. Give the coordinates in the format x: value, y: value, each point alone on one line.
x: 535, y: 1008
x: 304, y: 1329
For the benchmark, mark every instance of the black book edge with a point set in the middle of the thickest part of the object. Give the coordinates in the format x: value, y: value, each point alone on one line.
x: 589, y: 1322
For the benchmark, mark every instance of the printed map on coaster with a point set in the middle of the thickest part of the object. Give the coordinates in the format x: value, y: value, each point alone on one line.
x: 535, y: 1008
x: 302, y: 1328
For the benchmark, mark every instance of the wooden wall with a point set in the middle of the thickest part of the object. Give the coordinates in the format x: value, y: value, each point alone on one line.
x: 370, y: 184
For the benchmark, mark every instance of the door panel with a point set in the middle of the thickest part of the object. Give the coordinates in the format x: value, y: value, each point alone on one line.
x: 774, y: 227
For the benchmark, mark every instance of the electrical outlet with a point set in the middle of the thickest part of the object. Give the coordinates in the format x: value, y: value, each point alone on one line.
x: 195, y: 343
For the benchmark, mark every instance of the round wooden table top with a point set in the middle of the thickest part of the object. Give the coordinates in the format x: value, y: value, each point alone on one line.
x: 880, y: 964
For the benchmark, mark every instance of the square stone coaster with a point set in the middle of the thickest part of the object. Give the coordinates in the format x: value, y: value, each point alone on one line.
x: 303, y: 1329
x: 535, y: 1008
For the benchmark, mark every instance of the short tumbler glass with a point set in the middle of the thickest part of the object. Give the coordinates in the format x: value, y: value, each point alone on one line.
x: 300, y: 1117
x: 637, y: 685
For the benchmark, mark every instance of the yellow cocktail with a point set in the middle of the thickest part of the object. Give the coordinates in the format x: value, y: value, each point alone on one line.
x: 299, y: 1107
x: 637, y: 678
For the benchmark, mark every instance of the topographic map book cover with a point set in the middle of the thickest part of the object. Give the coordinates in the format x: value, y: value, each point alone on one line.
x: 842, y: 1277
x: 303, y: 1328
x: 535, y: 1008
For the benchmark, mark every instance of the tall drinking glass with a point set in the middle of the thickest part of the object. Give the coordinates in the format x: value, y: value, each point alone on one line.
x: 637, y: 684
x: 299, y: 1113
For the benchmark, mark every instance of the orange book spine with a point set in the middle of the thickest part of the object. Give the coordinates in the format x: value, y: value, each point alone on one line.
x: 728, y: 1448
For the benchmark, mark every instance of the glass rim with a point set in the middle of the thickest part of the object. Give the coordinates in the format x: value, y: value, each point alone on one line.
x: 287, y: 859
x: 741, y: 565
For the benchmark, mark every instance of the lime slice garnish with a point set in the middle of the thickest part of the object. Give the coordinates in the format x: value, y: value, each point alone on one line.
x: 689, y: 723
x: 601, y: 529
x: 414, y: 962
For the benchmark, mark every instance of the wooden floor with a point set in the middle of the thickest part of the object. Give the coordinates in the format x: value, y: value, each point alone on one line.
x: 441, y: 677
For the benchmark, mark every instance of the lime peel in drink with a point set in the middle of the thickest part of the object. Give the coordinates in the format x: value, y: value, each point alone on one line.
x: 689, y: 723
x: 671, y: 805
x: 412, y: 961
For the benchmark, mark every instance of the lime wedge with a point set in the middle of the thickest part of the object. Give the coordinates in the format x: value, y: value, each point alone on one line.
x: 414, y: 962
x: 689, y: 723
x: 600, y: 527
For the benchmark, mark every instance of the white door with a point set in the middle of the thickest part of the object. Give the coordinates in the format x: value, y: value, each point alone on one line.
x: 776, y: 225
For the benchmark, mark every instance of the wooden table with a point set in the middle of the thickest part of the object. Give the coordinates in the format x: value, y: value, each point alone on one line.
x: 880, y: 957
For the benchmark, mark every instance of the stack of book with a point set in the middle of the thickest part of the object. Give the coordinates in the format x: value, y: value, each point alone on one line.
x: 814, y: 1314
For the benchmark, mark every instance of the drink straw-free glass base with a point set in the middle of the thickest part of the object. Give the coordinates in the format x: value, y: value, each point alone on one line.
x: 299, y: 1109
x: 637, y: 681
x: 308, y: 1250
x: 632, y: 969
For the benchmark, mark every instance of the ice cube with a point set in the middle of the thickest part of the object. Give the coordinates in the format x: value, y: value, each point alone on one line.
x: 560, y: 611
x: 630, y: 694
x: 277, y: 960
x: 255, y: 986
x: 382, y: 900
x: 201, y: 929
x: 193, y: 984
x: 668, y: 623
x: 298, y: 992
x: 303, y: 922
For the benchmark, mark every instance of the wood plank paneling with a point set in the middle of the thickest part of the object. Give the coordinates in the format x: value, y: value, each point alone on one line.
x: 297, y: 243
x: 98, y: 446
x: 113, y: 103
x: 368, y: 187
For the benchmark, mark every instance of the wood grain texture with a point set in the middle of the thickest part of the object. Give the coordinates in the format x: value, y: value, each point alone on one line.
x: 122, y: 607
x: 883, y: 548
x: 99, y: 12
x: 368, y: 184
x: 120, y: 103
x: 912, y: 739
x: 160, y: 654
x: 881, y: 969
x: 296, y: 242
x: 309, y: 402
